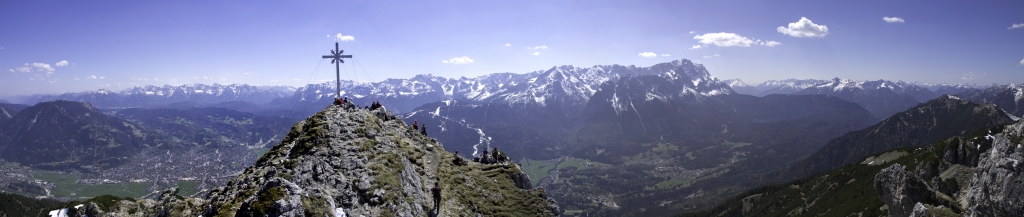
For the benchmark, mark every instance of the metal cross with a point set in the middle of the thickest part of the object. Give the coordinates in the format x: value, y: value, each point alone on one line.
x: 336, y: 60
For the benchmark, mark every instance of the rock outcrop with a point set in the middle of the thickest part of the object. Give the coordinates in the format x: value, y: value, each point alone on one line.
x: 997, y: 188
x: 901, y: 190
x: 358, y: 162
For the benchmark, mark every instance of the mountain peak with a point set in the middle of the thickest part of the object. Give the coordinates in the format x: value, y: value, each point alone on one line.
x: 359, y: 162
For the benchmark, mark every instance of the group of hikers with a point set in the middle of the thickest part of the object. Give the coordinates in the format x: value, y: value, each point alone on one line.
x: 422, y: 129
x: 348, y: 104
x: 492, y: 157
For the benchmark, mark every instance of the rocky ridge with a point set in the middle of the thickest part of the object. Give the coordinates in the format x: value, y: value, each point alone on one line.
x: 993, y: 189
x: 357, y: 162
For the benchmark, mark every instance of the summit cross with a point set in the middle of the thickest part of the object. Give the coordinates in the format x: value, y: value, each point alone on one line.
x: 336, y: 60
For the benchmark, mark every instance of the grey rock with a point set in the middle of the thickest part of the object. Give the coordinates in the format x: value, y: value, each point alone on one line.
x: 919, y: 211
x: 900, y: 190
x: 997, y: 188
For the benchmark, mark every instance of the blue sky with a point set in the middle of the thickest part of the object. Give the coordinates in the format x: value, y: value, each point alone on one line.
x: 59, y: 46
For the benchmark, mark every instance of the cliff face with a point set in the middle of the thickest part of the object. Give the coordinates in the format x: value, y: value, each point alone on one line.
x: 993, y: 187
x: 358, y: 162
x: 997, y: 188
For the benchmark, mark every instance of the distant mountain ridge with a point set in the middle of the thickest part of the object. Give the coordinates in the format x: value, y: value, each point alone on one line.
x: 161, y: 95
x: 1008, y: 97
x: 563, y: 86
x: 926, y: 123
x: 882, y: 98
x: 71, y: 135
x: 787, y: 86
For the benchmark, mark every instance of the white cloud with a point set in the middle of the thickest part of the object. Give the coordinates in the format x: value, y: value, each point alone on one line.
x: 1016, y: 26
x: 341, y: 37
x: 458, y: 60
x: 21, y: 69
x: 692, y: 32
x: 508, y: 44
x: 1022, y: 62
x: 724, y: 39
x: 542, y: 47
x: 666, y: 55
x: 892, y: 19
x: 971, y: 76
x: 91, y: 77
x: 712, y: 56
x: 62, y: 63
x: 34, y: 67
x: 804, y: 28
x: 696, y: 47
x: 78, y: 79
x: 536, y: 53
x: 648, y: 55
x: 769, y: 43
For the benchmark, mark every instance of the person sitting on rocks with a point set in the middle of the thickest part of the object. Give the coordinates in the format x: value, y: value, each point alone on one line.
x: 423, y: 130
x: 457, y: 160
x: 415, y: 125
x: 484, y: 158
x: 338, y: 101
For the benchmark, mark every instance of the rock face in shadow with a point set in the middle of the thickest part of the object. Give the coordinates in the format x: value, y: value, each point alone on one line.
x: 997, y: 188
x: 358, y: 162
x: 901, y: 190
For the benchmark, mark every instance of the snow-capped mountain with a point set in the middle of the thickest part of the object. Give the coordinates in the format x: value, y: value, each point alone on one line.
x: 562, y: 86
x: 947, y: 88
x: 161, y: 95
x: 742, y: 88
x: 1009, y: 97
x: 882, y: 98
x: 787, y: 86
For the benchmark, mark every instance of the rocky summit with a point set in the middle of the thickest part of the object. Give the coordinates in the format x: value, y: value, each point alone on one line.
x: 356, y: 162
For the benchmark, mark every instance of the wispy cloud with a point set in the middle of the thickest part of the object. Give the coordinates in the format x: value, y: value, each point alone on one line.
x: 769, y: 43
x: 542, y: 47
x: 508, y: 44
x: 804, y: 28
x: 43, y: 68
x: 892, y: 19
x: 93, y: 77
x: 1016, y: 26
x: 648, y: 55
x: 666, y: 55
x: 724, y: 39
x: 712, y: 56
x: 145, y: 79
x: 62, y: 63
x: 536, y: 53
x: 693, y: 32
x: 458, y: 60
x: 971, y: 76
x: 1022, y: 62
x: 341, y: 37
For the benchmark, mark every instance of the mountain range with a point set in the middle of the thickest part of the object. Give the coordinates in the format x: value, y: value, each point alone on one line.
x: 608, y: 140
x: 927, y: 123
x: 71, y: 135
x: 162, y: 95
